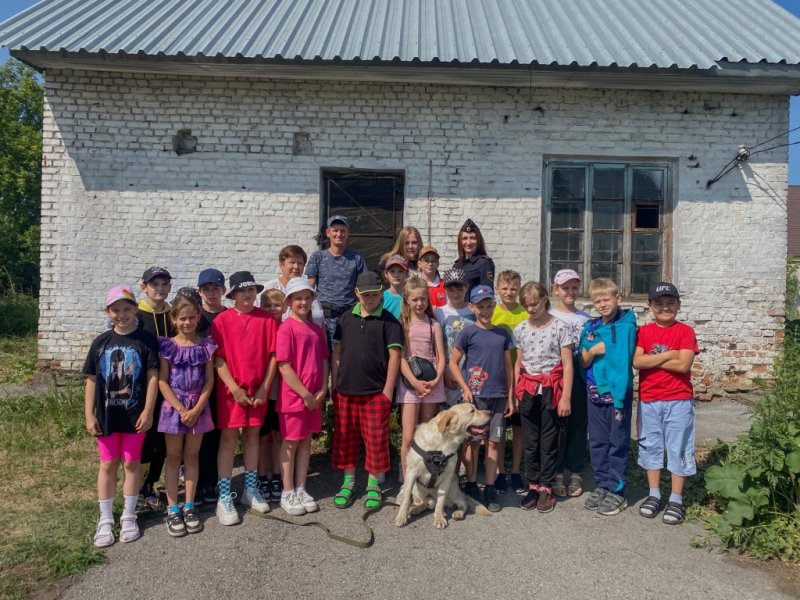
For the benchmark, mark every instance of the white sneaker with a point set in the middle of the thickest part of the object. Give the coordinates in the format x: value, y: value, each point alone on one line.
x: 291, y: 504
x: 307, y: 501
x: 255, y: 499
x: 226, y: 511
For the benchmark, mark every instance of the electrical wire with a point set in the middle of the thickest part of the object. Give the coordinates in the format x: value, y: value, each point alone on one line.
x: 775, y: 138
x: 774, y: 147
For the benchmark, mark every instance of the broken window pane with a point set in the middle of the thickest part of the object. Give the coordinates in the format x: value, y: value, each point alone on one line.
x: 647, y: 216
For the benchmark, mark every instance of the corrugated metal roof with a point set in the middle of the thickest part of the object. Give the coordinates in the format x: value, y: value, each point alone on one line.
x: 681, y: 34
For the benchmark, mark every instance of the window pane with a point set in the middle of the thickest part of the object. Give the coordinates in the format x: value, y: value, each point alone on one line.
x: 566, y: 246
x: 610, y: 270
x: 606, y: 247
x: 607, y: 214
x: 609, y: 184
x: 647, y: 216
x: 569, y: 183
x: 567, y: 214
x: 648, y: 184
x: 644, y: 276
x: 646, y: 248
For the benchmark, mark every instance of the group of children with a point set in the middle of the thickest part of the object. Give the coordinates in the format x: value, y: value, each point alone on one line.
x: 198, y: 373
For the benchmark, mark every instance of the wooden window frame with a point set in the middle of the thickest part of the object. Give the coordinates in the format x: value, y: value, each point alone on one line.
x: 628, y: 218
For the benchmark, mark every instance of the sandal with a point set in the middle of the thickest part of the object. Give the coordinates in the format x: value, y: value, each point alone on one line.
x: 559, y: 489
x: 374, y: 494
x: 650, y: 507
x: 128, y: 529
x: 104, y: 534
x: 345, y: 498
x: 674, y: 514
x: 575, y: 487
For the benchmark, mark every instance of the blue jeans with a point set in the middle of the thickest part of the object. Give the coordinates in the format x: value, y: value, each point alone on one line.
x: 609, y: 443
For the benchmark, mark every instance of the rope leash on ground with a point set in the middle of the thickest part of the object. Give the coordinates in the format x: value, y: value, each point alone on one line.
x: 334, y: 536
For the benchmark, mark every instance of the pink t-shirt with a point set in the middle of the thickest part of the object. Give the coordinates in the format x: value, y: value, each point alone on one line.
x: 303, y: 346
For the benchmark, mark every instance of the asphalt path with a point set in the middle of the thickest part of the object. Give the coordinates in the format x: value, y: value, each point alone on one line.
x: 570, y: 552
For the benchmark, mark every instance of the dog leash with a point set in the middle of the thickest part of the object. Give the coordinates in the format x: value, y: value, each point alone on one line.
x: 324, y: 527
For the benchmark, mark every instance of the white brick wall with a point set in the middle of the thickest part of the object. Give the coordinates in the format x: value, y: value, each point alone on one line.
x: 117, y: 199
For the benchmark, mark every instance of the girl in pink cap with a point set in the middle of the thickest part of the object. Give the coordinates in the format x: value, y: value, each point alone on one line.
x: 121, y: 371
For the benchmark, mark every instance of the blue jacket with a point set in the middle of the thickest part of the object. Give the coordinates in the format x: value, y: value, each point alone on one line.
x: 613, y: 371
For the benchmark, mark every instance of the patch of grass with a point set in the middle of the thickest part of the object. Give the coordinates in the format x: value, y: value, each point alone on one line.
x: 47, y: 458
x: 17, y: 359
x: 20, y: 314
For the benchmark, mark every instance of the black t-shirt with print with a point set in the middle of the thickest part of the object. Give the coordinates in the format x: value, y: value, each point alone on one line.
x: 120, y: 364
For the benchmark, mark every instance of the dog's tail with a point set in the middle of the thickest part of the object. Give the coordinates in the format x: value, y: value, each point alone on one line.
x: 476, y: 506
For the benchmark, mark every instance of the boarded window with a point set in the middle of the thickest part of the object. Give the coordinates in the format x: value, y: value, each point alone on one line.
x: 373, y: 203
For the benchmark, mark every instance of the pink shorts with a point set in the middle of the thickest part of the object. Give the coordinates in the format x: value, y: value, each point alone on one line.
x: 125, y: 445
x: 297, y: 426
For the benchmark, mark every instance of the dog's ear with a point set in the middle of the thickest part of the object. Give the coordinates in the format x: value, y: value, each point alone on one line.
x: 444, y: 421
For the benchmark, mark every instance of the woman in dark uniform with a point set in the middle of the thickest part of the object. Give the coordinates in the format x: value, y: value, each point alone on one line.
x: 472, y: 256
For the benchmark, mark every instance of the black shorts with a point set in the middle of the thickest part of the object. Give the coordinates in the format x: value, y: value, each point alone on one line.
x: 270, y: 420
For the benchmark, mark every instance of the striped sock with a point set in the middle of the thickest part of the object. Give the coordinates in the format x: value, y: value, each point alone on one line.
x: 251, y: 479
x: 224, y: 487
x: 174, y: 509
x: 188, y: 505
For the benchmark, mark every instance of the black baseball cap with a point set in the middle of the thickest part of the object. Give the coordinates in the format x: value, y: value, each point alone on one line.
x: 663, y: 288
x: 153, y: 272
x: 369, y: 281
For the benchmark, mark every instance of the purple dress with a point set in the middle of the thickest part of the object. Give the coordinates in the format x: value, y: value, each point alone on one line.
x: 187, y: 368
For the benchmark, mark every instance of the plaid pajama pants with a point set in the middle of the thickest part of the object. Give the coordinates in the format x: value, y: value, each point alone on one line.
x: 357, y: 419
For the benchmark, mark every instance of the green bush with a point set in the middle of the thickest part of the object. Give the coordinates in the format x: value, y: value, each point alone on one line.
x: 19, y: 314
x: 758, y: 485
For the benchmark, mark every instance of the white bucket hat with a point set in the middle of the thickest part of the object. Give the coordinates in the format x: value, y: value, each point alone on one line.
x: 298, y: 284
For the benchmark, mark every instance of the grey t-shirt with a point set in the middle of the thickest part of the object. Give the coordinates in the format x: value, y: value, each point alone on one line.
x: 541, y: 348
x: 336, y: 276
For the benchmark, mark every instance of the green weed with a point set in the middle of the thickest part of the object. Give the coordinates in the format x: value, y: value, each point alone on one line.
x: 757, y: 486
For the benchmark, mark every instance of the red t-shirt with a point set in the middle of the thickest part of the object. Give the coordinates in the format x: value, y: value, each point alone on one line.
x: 657, y: 383
x: 437, y: 295
x: 245, y: 341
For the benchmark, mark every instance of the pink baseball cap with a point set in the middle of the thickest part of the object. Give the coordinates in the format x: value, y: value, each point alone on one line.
x: 565, y: 275
x: 119, y: 292
x: 398, y: 260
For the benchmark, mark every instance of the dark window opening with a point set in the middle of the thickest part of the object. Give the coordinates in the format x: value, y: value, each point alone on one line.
x: 373, y: 203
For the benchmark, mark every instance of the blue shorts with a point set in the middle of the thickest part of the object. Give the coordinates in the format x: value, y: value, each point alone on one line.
x: 666, y: 425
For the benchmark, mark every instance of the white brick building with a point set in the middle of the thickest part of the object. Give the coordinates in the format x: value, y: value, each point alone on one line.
x: 605, y: 169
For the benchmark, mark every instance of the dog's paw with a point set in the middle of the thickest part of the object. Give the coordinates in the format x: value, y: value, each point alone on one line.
x: 401, y: 519
x: 439, y: 522
x: 458, y: 515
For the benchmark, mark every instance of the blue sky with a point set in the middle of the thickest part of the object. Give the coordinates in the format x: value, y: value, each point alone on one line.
x: 11, y: 7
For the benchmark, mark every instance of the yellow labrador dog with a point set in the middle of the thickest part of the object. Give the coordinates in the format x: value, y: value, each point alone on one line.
x: 431, y: 465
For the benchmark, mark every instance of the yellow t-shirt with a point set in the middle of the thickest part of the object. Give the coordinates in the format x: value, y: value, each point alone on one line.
x: 508, y: 319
